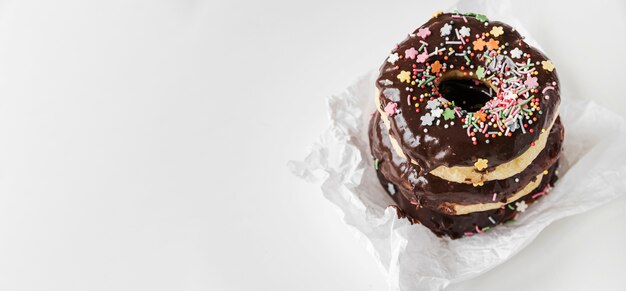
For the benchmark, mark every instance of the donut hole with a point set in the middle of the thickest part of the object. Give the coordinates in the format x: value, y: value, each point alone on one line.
x: 469, y: 94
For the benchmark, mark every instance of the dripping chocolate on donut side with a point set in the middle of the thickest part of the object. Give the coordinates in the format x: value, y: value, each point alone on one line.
x: 415, y: 68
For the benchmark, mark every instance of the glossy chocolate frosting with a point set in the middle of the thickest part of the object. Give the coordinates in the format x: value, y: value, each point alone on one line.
x: 433, y: 192
x: 433, y: 145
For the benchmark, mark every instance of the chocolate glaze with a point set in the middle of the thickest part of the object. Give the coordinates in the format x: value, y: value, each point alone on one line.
x: 456, y: 226
x: 451, y: 146
x: 434, y: 192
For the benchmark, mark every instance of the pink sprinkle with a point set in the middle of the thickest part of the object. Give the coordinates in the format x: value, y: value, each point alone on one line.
x: 421, y: 58
x: 478, y: 230
x: 423, y: 42
x: 408, y: 99
x: 538, y: 194
x: 494, y: 197
x: 456, y: 16
x: 546, y: 89
x: 469, y: 233
x: 464, y: 18
x: 410, y: 53
x: 423, y: 32
x: 531, y: 82
x: 390, y: 109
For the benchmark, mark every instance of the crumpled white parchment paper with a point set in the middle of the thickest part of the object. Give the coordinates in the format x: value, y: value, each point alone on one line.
x: 593, y: 172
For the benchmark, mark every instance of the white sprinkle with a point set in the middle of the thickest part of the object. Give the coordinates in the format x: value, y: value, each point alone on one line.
x: 492, y: 221
x: 425, y: 130
x: 516, y: 180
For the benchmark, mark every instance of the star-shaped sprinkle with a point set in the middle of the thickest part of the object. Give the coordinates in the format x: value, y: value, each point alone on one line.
x: 432, y: 104
x: 479, y: 44
x: 516, y: 53
x: 446, y: 29
x: 512, y: 125
x: 404, y: 76
x: 481, y: 18
x: 521, y: 206
x: 410, y: 53
x: 497, y: 31
x: 393, y: 58
x: 480, y: 73
x: 435, y: 67
x: 392, y: 94
x: 391, y: 108
x: 480, y: 115
x: 423, y: 32
x: 481, y: 164
x: 547, y: 65
x: 422, y: 57
x: 531, y: 82
x: 464, y: 31
x: 427, y: 119
x: 436, y: 112
x: 448, y: 114
x: 493, y: 44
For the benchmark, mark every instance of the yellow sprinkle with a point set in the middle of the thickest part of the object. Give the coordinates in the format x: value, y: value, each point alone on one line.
x: 417, y: 105
x: 543, y: 130
x: 545, y: 172
x: 481, y: 164
x: 478, y: 184
x: 499, y: 134
x: 437, y: 13
x: 547, y: 65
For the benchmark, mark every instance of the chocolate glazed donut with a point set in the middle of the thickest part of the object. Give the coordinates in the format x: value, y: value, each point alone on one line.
x: 467, y: 131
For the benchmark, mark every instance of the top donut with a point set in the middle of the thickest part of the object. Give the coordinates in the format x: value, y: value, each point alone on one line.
x: 462, y: 91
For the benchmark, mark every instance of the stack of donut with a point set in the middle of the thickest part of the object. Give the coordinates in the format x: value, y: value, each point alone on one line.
x: 467, y: 133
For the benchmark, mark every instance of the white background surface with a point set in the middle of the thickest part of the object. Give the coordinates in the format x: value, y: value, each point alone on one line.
x: 143, y: 143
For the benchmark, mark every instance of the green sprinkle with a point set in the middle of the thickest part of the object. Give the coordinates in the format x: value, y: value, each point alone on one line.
x: 510, y: 221
x: 525, y: 101
x: 376, y: 164
x: 481, y: 18
x: 486, y: 228
x: 510, y: 207
x: 421, y: 47
x: 480, y: 72
x: 467, y: 58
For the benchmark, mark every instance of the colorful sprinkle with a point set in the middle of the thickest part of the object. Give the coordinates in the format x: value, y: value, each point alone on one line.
x: 391, y: 108
x: 547, y: 65
x: 421, y: 58
x: 436, y: 67
x: 393, y: 58
x: 404, y: 76
x: 481, y: 164
x: 410, y: 53
x: 497, y: 31
x: 423, y: 32
x: 479, y: 44
x: 516, y: 53
x: 521, y: 206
